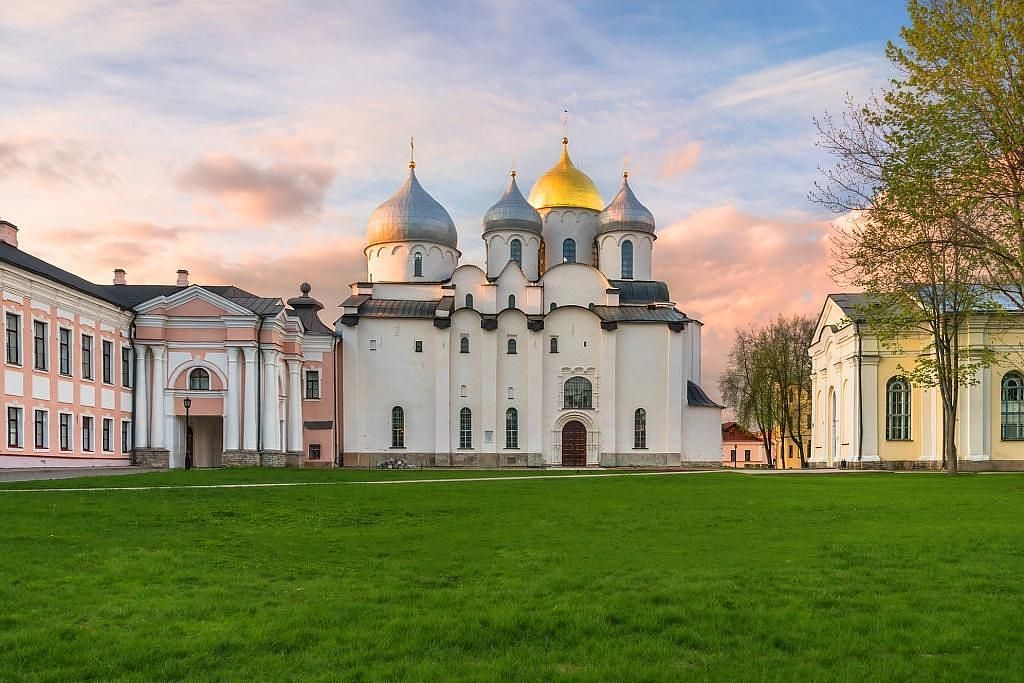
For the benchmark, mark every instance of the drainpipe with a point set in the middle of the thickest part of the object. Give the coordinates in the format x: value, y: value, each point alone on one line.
x: 338, y: 456
x: 131, y: 374
x: 860, y: 393
x: 259, y: 390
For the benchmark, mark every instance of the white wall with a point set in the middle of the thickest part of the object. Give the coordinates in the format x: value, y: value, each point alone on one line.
x: 499, y: 253
x: 610, y: 254
x: 394, y: 261
x: 575, y: 223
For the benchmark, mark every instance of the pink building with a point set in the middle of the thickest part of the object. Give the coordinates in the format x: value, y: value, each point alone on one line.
x: 100, y: 374
x: 741, y: 448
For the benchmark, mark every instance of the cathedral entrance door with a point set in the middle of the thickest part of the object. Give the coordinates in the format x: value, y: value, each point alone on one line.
x: 574, y: 444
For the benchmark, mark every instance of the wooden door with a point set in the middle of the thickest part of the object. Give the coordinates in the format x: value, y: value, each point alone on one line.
x: 574, y: 444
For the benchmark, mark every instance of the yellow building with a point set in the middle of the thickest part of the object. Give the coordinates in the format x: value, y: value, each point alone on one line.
x: 865, y: 413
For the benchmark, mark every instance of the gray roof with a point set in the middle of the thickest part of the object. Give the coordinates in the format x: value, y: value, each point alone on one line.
x: 849, y: 302
x: 695, y: 396
x: 512, y: 212
x: 625, y: 212
x: 641, y: 291
x: 411, y: 215
x: 26, y: 261
x: 398, y: 308
x: 639, y: 314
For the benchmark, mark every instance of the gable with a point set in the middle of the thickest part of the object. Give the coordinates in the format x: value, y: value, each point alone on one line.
x: 193, y: 301
x: 197, y: 308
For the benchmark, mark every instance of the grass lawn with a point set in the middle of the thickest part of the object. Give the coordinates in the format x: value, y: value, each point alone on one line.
x: 709, y: 576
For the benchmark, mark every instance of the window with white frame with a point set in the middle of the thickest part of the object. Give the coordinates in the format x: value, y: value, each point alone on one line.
x: 554, y: 344
x: 578, y: 392
x: 418, y: 346
x: 13, y: 338
x: 398, y: 427
x: 108, y: 435
x: 511, y: 428
x: 627, y: 260
x: 126, y: 436
x: 516, y: 251
x: 464, y: 344
x: 1011, y: 407
x: 417, y: 268
x: 65, y: 421
x: 312, y: 384
x: 108, y: 361
x: 41, y: 428
x: 465, y: 428
x: 314, y: 451
x: 897, y: 413
x: 640, y: 428
x: 64, y: 336
x: 126, y: 367
x: 86, y: 356
x: 199, y: 379
x: 40, y: 357
x: 511, y: 346
x: 14, y: 426
x: 87, y: 426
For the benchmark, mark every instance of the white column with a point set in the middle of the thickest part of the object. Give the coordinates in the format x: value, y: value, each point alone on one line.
x: 141, y: 398
x: 249, y: 430
x: 270, y: 420
x: 231, y: 416
x: 157, y: 403
x: 294, y: 406
x: 871, y: 400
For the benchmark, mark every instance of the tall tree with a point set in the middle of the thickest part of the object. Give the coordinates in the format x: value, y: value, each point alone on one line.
x: 746, y: 386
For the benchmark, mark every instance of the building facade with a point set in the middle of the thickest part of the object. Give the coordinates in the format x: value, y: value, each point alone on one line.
x: 865, y: 411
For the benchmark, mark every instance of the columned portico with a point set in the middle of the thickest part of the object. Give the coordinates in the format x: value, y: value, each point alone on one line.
x: 270, y: 419
x: 232, y: 425
x: 157, y: 401
x: 249, y: 435
x: 294, y: 406
x: 141, y: 390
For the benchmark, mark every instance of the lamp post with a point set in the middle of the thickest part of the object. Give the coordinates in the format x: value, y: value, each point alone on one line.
x: 188, y: 434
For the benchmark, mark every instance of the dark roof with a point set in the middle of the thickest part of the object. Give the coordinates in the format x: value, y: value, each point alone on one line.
x: 398, y: 308
x: 356, y: 300
x: 641, y: 291
x: 734, y: 431
x: 639, y: 314
x: 850, y: 302
x: 26, y: 261
x: 695, y: 396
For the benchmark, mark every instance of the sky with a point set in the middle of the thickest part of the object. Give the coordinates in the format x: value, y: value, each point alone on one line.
x: 249, y: 141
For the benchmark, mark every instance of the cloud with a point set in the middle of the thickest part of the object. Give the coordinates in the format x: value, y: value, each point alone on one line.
x: 50, y: 162
x: 681, y: 160
x: 263, y: 194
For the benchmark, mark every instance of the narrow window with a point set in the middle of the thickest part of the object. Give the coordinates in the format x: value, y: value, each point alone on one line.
x: 418, y: 346
x: 732, y: 455
x: 553, y: 306
x: 578, y: 392
x: 64, y: 351
x: 13, y: 333
x: 469, y: 301
x: 569, y: 251
x: 126, y: 367
x: 463, y: 391
x: 417, y: 265
x: 39, y: 355
x: 627, y: 260
x: 312, y: 384
x: 465, y: 428
x: 108, y: 361
x: 108, y: 435
x: 373, y: 344
x: 511, y: 393
x: 640, y: 428
x: 40, y: 422
x: 516, y: 251
x: 86, y: 356
x: 314, y: 451
x: 199, y: 380
x: 464, y: 344
x: 65, y: 431
x: 512, y: 346
x: 126, y: 436
x: 554, y: 345
x: 87, y: 433
x: 1011, y: 411
x: 511, y: 428
x: 897, y: 418
x: 746, y: 456
x: 14, y: 427
x: 397, y: 427
x: 511, y: 300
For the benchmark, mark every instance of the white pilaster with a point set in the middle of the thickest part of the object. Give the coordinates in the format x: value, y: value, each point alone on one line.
x: 231, y: 408
x: 249, y: 409
x: 294, y: 406
x: 270, y: 420
x: 871, y: 399
x: 157, y: 403
x: 142, y: 398
x: 607, y: 399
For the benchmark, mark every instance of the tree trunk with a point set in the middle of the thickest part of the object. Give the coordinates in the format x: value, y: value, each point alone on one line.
x: 949, y: 440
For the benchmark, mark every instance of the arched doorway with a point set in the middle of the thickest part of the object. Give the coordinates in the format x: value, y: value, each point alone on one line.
x: 574, y: 444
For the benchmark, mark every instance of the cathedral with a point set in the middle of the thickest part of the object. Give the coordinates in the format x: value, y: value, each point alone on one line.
x: 561, y: 350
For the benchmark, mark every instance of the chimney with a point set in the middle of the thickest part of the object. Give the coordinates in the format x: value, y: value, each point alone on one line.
x: 183, y: 278
x: 9, y: 233
x: 119, y: 278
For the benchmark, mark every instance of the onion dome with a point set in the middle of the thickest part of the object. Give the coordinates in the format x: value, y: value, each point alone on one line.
x: 512, y: 212
x: 411, y: 215
x: 565, y: 185
x: 625, y: 212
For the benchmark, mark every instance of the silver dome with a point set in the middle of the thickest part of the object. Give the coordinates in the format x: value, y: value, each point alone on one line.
x: 512, y: 212
x: 411, y: 215
x: 625, y: 212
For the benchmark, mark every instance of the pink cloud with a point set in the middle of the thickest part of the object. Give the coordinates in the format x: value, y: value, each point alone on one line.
x: 681, y: 160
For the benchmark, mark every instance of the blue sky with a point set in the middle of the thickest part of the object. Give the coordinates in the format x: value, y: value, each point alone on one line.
x: 249, y: 141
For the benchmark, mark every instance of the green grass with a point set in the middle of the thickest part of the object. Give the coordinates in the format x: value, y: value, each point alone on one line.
x: 722, y: 576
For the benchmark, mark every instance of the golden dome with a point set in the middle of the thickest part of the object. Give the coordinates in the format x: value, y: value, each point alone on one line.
x: 565, y: 185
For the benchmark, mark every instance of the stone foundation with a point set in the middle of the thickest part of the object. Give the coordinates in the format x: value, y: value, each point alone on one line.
x: 240, y: 459
x: 639, y: 459
x: 266, y: 459
x: 501, y: 460
x: 152, y: 457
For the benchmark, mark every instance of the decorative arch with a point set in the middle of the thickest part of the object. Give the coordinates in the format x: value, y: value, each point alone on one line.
x: 218, y: 380
x: 1011, y: 406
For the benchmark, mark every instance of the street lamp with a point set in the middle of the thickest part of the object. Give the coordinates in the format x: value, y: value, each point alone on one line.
x: 188, y: 434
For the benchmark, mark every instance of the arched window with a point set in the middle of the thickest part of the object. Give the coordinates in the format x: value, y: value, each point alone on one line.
x: 554, y: 345
x: 897, y: 410
x: 199, y: 380
x: 640, y: 428
x: 465, y: 428
x: 516, y: 251
x: 464, y: 345
x: 511, y: 347
x: 578, y: 393
x: 569, y: 251
x: 469, y: 301
x: 511, y: 300
x: 463, y: 391
x: 1011, y: 412
x: 511, y: 428
x: 397, y: 427
x: 627, y: 260
x: 417, y: 264
x: 553, y: 306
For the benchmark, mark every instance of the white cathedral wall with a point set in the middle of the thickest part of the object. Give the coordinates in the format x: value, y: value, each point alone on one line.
x: 579, y: 353
x: 561, y: 224
x: 642, y: 369
x: 499, y: 252
x: 394, y: 261
x: 610, y: 254
x: 466, y: 371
